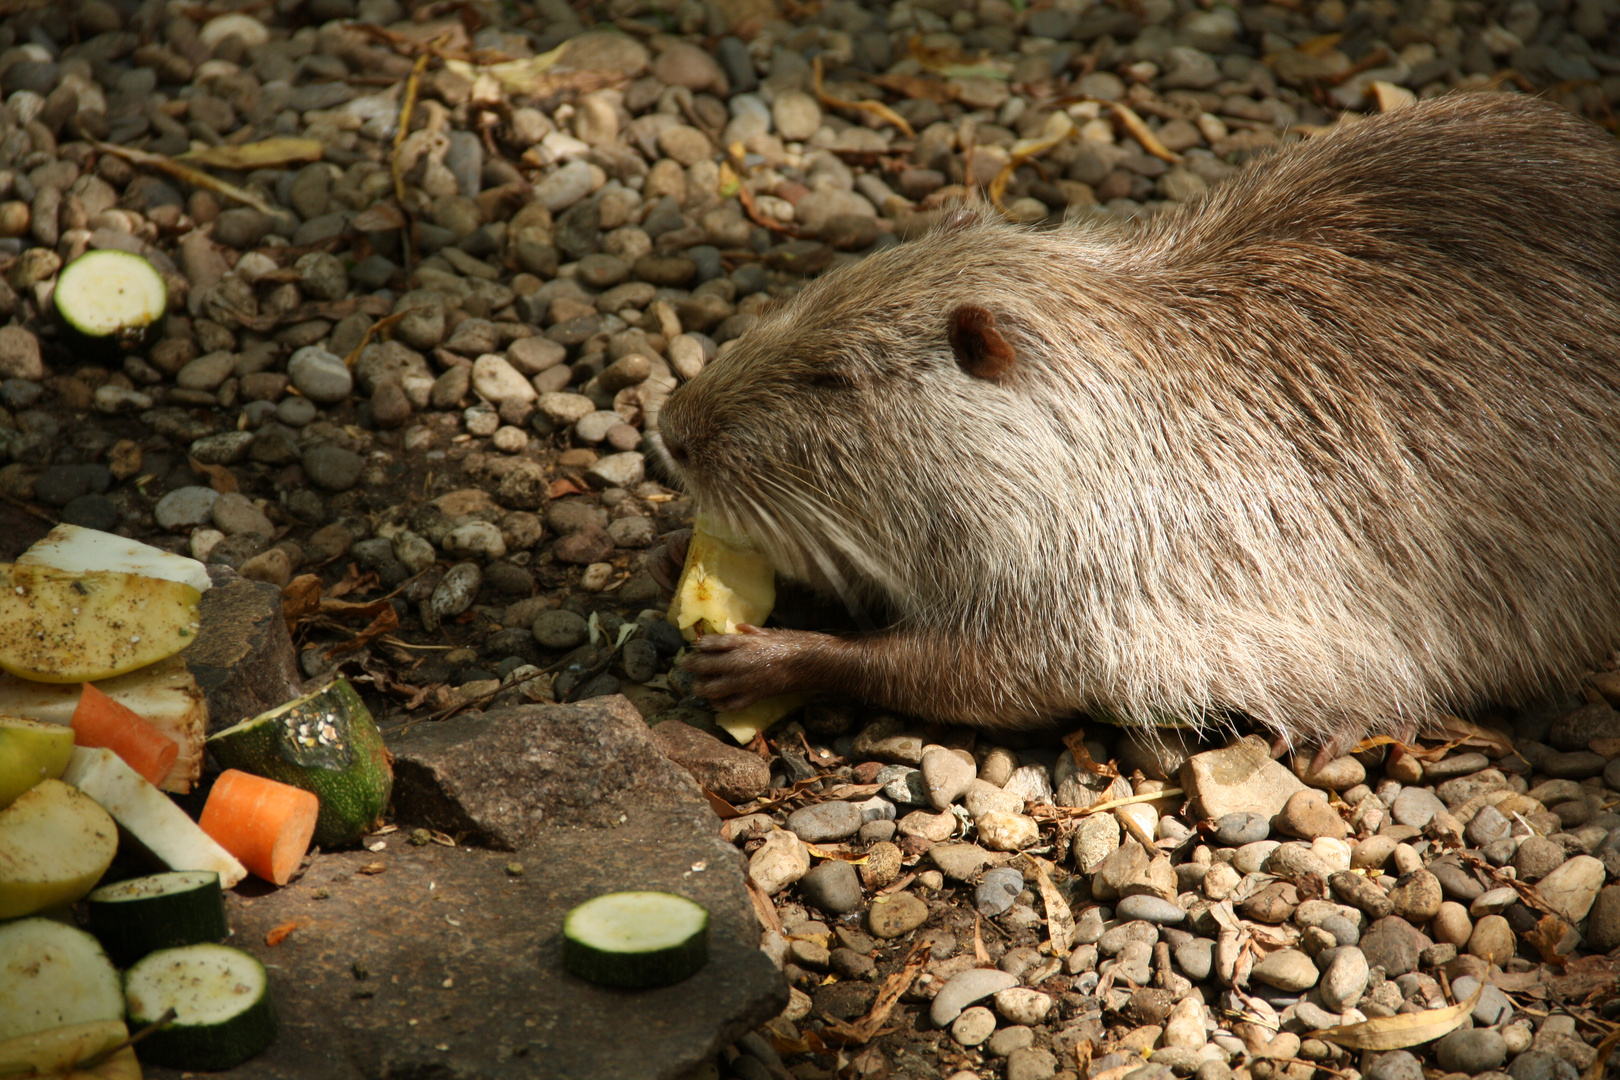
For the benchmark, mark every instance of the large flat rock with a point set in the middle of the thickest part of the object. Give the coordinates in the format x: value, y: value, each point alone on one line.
x: 461, y: 959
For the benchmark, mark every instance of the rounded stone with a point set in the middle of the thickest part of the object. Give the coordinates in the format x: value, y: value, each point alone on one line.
x: 1242, y: 827
x: 456, y: 591
x: 559, y: 629
x: 901, y: 914
x: 975, y: 1025
x: 833, y: 886
x: 320, y: 376
x: 964, y: 988
x: 1492, y: 940
x: 1416, y: 897
x: 1344, y: 980
x: 1006, y: 832
x: 1471, y: 1051
x: 1151, y: 909
x: 1022, y: 1005
x: 1287, y: 969
x: 185, y: 507
x: 825, y: 822
x: 332, y: 467
x: 1395, y: 1065
x: 997, y: 889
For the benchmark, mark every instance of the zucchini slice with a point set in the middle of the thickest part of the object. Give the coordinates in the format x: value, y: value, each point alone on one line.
x: 111, y: 299
x: 221, y: 1002
x: 52, y: 975
x: 159, y: 911
x: 325, y: 742
x: 636, y: 939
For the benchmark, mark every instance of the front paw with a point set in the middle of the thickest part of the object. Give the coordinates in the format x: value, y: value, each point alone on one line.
x: 666, y: 560
x: 733, y: 671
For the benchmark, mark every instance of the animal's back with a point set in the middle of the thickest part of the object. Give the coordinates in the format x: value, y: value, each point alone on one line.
x: 1424, y: 310
x: 1332, y: 447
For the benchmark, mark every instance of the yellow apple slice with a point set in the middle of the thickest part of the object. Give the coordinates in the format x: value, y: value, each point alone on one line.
x: 56, y: 1050
x: 66, y: 626
x: 30, y: 752
x: 55, y: 843
x: 77, y: 549
x: 724, y: 583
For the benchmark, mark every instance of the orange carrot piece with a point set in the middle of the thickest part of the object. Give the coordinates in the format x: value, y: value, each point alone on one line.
x: 263, y: 822
x: 99, y: 721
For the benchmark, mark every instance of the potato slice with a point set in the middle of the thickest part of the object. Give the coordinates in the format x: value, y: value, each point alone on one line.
x: 55, y: 843
x: 30, y: 752
x: 63, y: 626
x: 726, y: 582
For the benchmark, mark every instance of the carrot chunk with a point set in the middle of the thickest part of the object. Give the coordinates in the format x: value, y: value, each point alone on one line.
x: 263, y: 822
x: 99, y: 721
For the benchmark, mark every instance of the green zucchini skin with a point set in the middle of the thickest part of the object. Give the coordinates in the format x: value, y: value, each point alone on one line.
x: 178, y: 1044
x: 629, y: 968
x: 325, y: 742
x: 78, y: 334
x: 181, y: 907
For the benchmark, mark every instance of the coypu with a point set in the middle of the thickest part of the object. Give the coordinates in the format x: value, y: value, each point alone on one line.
x: 1335, y: 447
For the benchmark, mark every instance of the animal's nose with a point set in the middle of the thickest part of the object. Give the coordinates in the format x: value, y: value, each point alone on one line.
x: 674, y: 447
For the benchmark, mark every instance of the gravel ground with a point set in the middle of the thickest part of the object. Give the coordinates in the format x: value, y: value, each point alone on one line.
x: 419, y: 365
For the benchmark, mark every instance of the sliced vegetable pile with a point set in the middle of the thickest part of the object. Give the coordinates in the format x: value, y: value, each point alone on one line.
x: 99, y: 719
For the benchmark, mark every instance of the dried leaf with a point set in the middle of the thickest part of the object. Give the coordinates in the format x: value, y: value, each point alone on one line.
x: 194, y: 177
x: 380, y: 217
x: 386, y: 620
x: 300, y: 599
x: 407, y: 105
x: 723, y: 809
x: 1403, y: 1030
x: 918, y: 87
x: 372, y: 331
x: 1545, y: 936
x: 517, y: 77
x: 1390, y: 97
x: 220, y: 478
x: 264, y: 154
x: 1076, y: 742
x: 565, y: 485
x: 1058, y: 130
x: 1460, y: 732
x: 1137, y: 129
x: 981, y: 955
x: 764, y: 910
x: 876, y: 108
x: 870, y: 1025
x: 833, y: 853
x: 1594, y: 1071
x: 1319, y: 46
x: 277, y: 934
x: 1059, y: 919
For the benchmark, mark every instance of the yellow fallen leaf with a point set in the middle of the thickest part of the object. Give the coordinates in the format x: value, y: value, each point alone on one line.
x: 264, y: 154
x: 1403, y: 1030
x: 515, y: 76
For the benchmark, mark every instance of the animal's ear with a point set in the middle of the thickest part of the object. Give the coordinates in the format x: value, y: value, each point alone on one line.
x: 979, y: 347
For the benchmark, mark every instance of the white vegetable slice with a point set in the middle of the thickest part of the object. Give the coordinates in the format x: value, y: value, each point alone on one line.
x: 164, y: 694
x: 111, y: 294
x: 54, y: 846
x: 221, y: 1002
x: 51, y: 975
x: 77, y: 549
x: 636, y: 939
x: 148, y: 815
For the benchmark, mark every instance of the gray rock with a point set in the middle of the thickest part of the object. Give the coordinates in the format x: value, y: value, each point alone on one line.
x: 964, y: 989
x: 1471, y: 1051
x: 1242, y: 827
x: 997, y: 889
x: 1541, y: 1065
x: 727, y: 770
x: 1416, y: 806
x: 1396, y: 1065
x: 1392, y: 944
x: 559, y: 629
x: 1151, y: 909
x: 332, y: 467
x: 825, y: 822
x: 320, y: 376
x: 185, y: 508
x: 833, y: 886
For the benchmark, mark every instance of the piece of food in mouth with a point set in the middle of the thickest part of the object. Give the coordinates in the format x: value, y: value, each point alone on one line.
x: 726, y: 583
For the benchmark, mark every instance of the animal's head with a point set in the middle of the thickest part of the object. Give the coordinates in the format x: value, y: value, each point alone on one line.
x: 882, y: 420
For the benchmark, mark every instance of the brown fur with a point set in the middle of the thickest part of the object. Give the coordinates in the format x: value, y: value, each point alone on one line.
x: 1335, y: 447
